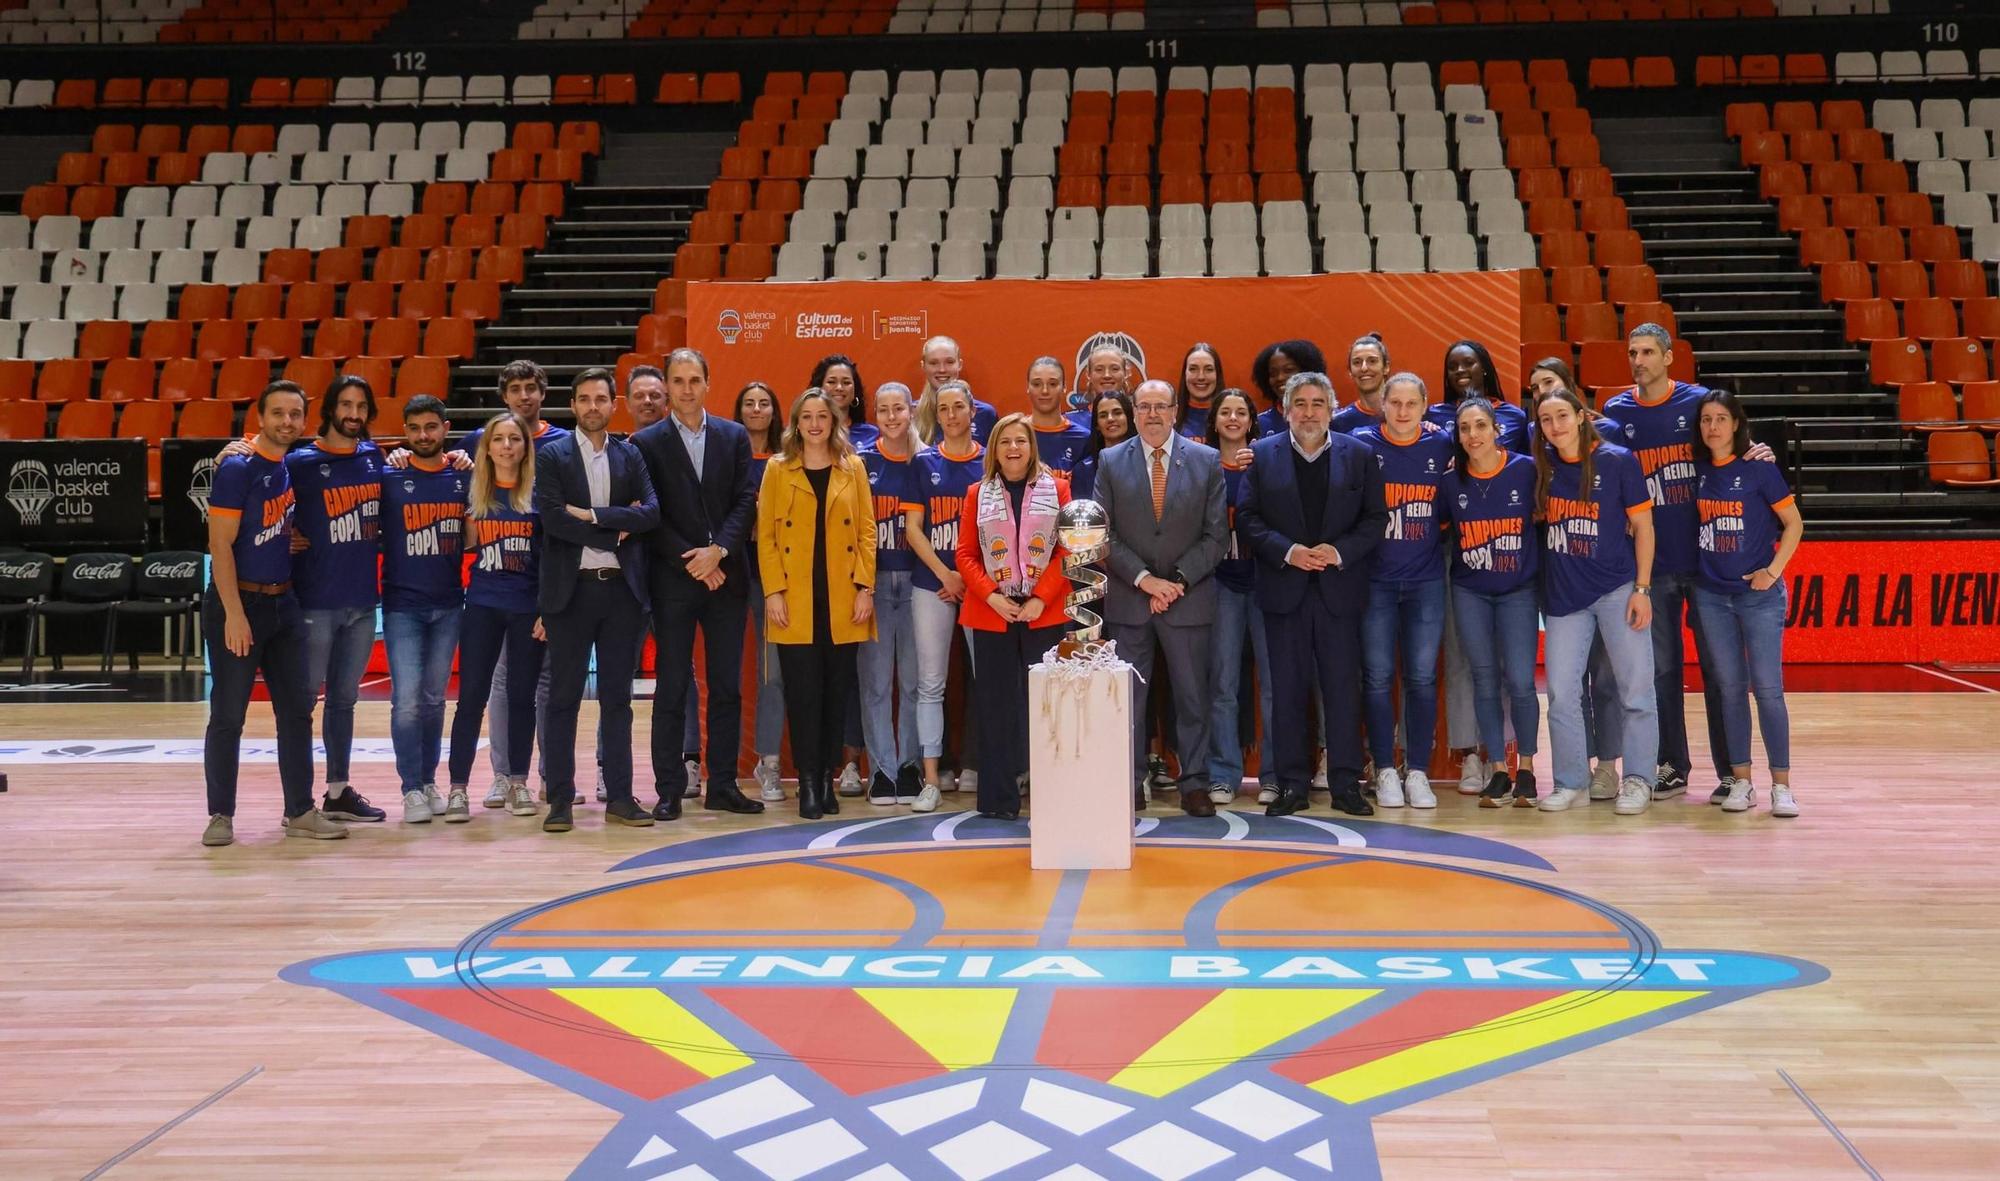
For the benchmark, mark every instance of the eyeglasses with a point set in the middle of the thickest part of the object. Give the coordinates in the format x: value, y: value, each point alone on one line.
x: 1155, y: 408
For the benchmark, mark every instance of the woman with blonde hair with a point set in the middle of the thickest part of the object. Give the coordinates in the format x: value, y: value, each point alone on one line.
x: 816, y: 555
x: 1014, y: 589
x: 504, y: 537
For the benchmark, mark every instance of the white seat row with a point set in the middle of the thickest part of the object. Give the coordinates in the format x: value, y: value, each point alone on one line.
x: 435, y: 135
x: 993, y: 20
x: 1944, y: 177
x: 1937, y: 114
x: 414, y: 166
x: 1372, y: 98
x: 1909, y: 65
x: 44, y: 340
x: 443, y: 90
x: 250, y: 200
x: 1958, y: 143
x: 1968, y: 210
x: 1332, y: 76
x: 1311, y: 14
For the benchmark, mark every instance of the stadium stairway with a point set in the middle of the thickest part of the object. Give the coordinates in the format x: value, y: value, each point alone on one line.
x: 585, y: 293
x: 1753, y: 312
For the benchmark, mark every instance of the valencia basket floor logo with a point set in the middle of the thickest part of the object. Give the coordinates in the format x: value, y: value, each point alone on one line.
x: 908, y: 1001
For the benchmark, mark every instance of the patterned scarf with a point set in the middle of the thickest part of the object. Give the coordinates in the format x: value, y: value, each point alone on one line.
x: 1017, y: 572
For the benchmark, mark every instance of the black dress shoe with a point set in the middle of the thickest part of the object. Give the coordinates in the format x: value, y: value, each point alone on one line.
x: 1197, y: 803
x: 725, y: 796
x: 1350, y: 802
x: 558, y: 819
x: 669, y: 807
x: 811, y: 807
x: 628, y: 812
x: 1290, y: 800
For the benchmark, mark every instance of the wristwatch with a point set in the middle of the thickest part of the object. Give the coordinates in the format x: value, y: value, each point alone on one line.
x: 1178, y: 578
x: 1646, y: 590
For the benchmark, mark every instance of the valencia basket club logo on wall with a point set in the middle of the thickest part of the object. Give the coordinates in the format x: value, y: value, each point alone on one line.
x: 903, y: 998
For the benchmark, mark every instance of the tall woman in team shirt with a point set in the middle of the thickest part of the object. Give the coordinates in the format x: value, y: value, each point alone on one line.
x: 1469, y: 372
x: 1489, y: 497
x: 1597, y: 567
x: 1368, y: 368
x: 1404, y: 622
x: 757, y: 409
x: 504, y: 536
x: 1275, y: 365
x: 1750, y: 528
x: 1201, y: 381
x: 1232, y: 424
x: 1111, y: 420
x: 887, y: 664
x: 939, y: 479
x: 1012, y: 565
x: 841, y: 379
x: 1059, y: 443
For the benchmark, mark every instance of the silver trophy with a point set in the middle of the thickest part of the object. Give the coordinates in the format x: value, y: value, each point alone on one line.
x: 1085, y: 531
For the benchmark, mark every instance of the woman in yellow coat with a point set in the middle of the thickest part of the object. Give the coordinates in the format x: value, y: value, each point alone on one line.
x: 816, y: 552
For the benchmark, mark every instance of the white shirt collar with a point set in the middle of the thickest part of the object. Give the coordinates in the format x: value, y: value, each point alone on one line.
x: 1324, y: 443
x: 1167, y: 447
x: 685, y: 429
x: 589, y: 452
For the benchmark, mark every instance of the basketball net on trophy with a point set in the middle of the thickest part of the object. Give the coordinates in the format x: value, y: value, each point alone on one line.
x: 1084, y: 529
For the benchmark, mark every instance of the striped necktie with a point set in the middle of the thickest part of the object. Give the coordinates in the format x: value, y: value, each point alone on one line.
x: 1159, y: 482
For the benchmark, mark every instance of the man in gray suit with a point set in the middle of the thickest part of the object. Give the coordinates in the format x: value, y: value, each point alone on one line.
x: 1164, y: 495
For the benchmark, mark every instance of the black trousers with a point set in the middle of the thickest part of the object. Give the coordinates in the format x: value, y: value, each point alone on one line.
x: 818, y: 679
x: 722, y: 616
x: 278, y: 650
x: 1000, y: 699
x: 601, y: 615
x: 486, y: 636
x: 1311, y: 646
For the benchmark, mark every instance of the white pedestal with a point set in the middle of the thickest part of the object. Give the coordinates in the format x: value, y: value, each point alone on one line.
x: 1080, y: 766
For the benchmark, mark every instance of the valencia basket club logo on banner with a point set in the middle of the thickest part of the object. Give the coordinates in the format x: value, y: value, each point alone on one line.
x: 902, y: 998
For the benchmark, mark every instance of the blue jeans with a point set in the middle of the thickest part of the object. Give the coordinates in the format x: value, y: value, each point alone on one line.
x: 1405, y: 617
x: 1603, y: 720
x: 278, y: 650
x: 888, y: 673
x: 1236, y: 616
x: 1744, y: 635
x: 936, y: 621
x: 770, y: 735
x: 420, y: 646
x: 1674, y: 594
x: 1497, y: 633
x: 338, y: 641
x: 1631, y: 655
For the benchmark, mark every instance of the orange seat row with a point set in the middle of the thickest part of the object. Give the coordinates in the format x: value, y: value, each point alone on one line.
x: 298, y: 269
x: 220, y: 339
x: 426, y: 230
x: 1838, y: 176
x: 1591, y: 321
x: 1859, y: 146
x: 122, y: 94
x: 1931, y: 406
x: 1931, y: 319
x: 1760, y: 69
x: 1900, y: 361
x: 1639, y: 73
x: 1959, y: 279
x: 215, y: 303
x: 1834, y: 114
x: 1848, y: 211
x: 137, y: 379
x: 1878, y: 244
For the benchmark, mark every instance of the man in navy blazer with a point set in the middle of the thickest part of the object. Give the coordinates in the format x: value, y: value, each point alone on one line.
x: 700, y: 574
x: 1312, y: 511
x: 596, y: 501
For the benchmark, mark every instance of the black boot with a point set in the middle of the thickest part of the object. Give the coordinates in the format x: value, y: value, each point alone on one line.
x: 829, y: 792
x: 810, y: 785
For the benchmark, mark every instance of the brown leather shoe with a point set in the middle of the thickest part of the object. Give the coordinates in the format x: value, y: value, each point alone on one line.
x: 1197, y: 803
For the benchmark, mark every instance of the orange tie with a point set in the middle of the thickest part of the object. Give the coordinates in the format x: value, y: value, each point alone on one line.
x: 1159, y: 482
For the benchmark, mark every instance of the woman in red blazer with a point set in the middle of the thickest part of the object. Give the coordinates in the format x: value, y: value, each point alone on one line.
x: 1011, y: 561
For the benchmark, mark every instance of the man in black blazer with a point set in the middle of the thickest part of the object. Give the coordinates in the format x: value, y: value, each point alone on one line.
x: 700, y: 575
x: 596, y: 501
x: 1312, y: 512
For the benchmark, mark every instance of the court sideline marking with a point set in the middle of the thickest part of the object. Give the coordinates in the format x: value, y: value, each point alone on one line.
x: 1817, y: 1113
x: 173, y: 1123
x: 1954, y: 680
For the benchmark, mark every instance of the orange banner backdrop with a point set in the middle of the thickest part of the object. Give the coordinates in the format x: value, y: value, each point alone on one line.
x: 776, y: 332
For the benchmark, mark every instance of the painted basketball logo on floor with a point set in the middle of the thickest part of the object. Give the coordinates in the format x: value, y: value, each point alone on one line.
x: 1232, y: 1007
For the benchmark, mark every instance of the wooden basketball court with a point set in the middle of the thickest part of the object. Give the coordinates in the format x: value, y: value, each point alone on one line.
x: 146, y: 1032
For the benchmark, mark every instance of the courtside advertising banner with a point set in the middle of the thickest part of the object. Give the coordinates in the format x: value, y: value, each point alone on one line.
x: 776, y: 332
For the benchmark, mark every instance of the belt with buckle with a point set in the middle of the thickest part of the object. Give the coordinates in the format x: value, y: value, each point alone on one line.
x: 264, y: 588
x: 602, y: 573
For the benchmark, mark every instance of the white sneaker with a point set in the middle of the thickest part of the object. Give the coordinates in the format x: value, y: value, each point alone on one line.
x: 456, y: 810
x: 496, y: 796
x: 1388, y: 788
x: 769, y: 789
x: 1563, y: 799
x: 968, y: 780
x: 927, y: 799
x: 1742, y: 795
x: 1782, y: 803
x: 416, y: 809
x: 432, y: 798
x: 1319, y: 776
x: 693, y: 788
x: 603, y: 793
x: 1222, y: 793
x: 1417, y: 786
x: 1604, y: 781
x: 520, y: 800
x: 1472, y: 775
x: 1635, y: 795
x: 947, y: 781
x: 1266, y: 795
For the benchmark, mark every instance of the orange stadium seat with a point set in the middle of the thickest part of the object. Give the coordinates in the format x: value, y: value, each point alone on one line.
x: 86, y: 420
x: 17, y: 380
x: 1926, y: 406
x: 277, y: 339
x: 1961, y: 459
x: 64, y: 380
x: 1982, y: 405
x: 126, y: 379
x: 23, y: 420
x: 104, y: 340
x: 185, y: 379
x: 423, y: 375
x: 449, y: 336
x: 206, y: 419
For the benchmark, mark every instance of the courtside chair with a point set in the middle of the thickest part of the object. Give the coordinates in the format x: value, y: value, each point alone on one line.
x: 25, y: 579
x: 91, y: 584
x: 168, y: 587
